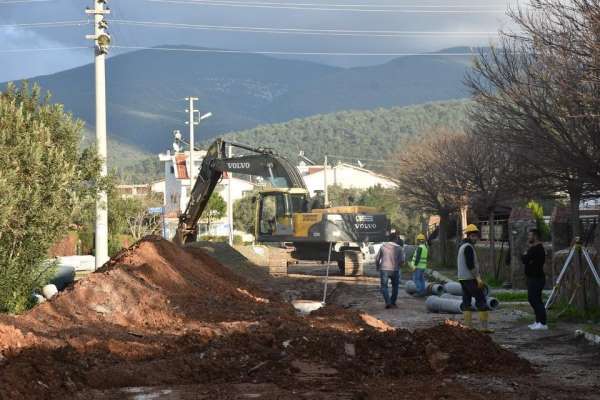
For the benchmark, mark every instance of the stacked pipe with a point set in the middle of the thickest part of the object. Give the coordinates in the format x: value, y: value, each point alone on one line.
x: 450, y: 304
x: 455, y: 288
x: 431, y: 289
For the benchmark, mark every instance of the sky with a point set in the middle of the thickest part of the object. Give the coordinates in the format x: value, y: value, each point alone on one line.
x: 27, y: 51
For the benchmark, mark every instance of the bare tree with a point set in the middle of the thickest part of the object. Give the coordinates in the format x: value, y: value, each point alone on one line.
x: 486, y: 174
x: 521, y: 104
x: 143, y: 223
x: 423, y: 184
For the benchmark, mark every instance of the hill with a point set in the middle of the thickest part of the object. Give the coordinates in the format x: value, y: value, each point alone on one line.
x: 146, y: 90
x: 355, y: 135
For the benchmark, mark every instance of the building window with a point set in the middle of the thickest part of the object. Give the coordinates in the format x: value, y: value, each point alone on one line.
x: 172, y: 170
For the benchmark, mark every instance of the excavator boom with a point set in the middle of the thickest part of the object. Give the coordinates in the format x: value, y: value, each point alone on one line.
x: 264, y: 163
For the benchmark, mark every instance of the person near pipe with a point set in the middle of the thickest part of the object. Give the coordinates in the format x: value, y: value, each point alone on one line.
x: 534, y: 259
x: 419, y: 264
x: 470, y: 280
x: 389, y: 260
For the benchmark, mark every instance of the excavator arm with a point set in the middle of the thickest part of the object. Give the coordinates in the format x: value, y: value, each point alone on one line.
x: 263, y: 162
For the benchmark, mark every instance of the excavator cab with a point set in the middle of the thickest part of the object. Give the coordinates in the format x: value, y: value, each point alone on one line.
x: 275, y: 211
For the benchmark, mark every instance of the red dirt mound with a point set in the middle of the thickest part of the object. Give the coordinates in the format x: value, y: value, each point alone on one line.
x: 159, y: 315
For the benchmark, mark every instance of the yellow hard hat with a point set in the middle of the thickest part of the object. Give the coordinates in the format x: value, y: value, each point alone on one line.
x: 471, y: 228
x: 420, y: 236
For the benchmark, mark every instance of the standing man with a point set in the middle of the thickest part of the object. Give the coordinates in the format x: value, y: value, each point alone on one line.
x: 470, y: 280
x: 419, y: 265
x: 389, y: 259
x: 534, y: 259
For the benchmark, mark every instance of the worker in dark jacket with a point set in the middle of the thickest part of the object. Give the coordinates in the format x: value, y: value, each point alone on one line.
x: 534, y: 259
x: 470, y: 280
x: 388, y: 261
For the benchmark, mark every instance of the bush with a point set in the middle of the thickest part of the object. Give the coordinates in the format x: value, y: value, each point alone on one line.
x: 42, y: 175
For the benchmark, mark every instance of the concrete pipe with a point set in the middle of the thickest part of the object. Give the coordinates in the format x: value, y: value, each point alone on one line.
x: 410, y: 287
x: 455, y: 288
x: 492, y: 302
x: 49, y: 291
x: 435, y: 289
x: 64, y: 276
x: 443, y: 305
x: 430, y: 288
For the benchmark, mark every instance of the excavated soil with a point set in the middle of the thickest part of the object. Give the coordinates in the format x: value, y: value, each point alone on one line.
x: 157, y: 315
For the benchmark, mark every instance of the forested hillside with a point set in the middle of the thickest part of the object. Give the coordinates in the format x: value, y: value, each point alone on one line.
x: 371, y: 134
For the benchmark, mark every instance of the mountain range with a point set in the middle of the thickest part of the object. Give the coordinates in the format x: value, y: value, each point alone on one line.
x: 146, y: 91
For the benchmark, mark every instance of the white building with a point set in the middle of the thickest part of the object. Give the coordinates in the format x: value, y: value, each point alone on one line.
x: 344, y: 175
x: 177, y: 188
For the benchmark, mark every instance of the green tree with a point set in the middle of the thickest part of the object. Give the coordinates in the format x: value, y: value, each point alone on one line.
x: 538, y: 213
x: 215, y: 209
x: 43, y: 174
x: 244, y: 212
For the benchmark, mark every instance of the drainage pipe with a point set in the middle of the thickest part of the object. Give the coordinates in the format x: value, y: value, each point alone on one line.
x: 455, y: 288
x: 492, y: 302
x: 434, y: 289
x: 443, y: 305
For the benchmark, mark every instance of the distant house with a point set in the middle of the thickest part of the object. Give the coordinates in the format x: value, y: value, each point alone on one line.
x: 141, y: 190
x: 132, y: 191
x: 177, y: 188
x: 345, y: 175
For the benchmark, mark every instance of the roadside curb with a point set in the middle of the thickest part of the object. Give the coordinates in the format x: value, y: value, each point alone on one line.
x: 590, y: 337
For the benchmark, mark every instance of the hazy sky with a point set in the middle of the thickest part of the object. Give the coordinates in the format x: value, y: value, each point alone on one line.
x: 372, y: 15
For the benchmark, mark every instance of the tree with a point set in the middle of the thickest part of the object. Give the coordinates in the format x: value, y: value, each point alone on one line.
x: 485, y: 174
x: 215, y: 209
x: 537, y: 94
x: 244, y: 212
x: 423, y: 183
x: 43, y: 174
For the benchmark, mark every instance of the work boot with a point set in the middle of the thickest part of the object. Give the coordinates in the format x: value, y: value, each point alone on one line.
x: 483, y: 320
x: 468, y: 318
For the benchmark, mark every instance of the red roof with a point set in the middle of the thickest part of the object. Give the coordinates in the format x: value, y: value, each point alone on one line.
x: 314, y: 170
x: 180, y: 160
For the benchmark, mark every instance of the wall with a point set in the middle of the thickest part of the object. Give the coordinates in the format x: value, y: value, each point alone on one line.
x: 347, y: 177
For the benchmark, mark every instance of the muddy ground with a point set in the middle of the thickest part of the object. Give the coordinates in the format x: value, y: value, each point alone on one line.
x: 162, y: 322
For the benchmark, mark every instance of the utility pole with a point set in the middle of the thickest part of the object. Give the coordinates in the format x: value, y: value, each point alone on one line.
x: 191, y: 122
x: 325, y: 183
x: 101, y: 39
x: 229, y: 201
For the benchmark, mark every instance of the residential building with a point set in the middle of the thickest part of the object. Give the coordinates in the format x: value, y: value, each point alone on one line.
x: 345, y: 175
x: 177, y: 189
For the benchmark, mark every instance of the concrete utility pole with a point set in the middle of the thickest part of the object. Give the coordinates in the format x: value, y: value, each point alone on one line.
x: 191, y: 122
x: 326, y: 200
x: 102, y: 41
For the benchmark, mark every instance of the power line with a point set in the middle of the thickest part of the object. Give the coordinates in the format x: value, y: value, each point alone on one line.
x: 22, y: 2
x: 329, y: 8
x: 301, y: 31
x: 53, y: 24
x: 34, y: 49
x: 364, y: 5
x: 303, y: 53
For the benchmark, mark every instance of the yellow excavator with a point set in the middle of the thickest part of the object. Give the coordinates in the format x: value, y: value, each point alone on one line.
x: 285, y: 213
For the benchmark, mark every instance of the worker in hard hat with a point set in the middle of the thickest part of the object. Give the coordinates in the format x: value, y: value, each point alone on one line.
x: 419, y: 264
x: 470, y: 280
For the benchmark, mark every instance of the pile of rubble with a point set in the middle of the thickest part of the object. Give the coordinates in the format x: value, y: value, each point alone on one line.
x: 158, y: 315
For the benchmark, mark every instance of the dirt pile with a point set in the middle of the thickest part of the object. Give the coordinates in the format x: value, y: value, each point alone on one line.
x: 159, y: 315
